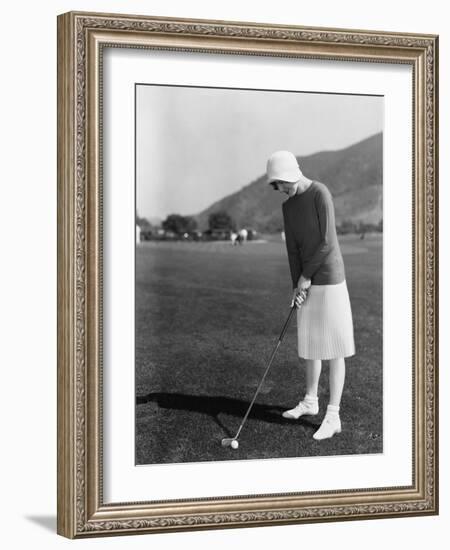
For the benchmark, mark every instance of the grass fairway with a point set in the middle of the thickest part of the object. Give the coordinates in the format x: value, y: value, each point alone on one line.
x: 207, y: 318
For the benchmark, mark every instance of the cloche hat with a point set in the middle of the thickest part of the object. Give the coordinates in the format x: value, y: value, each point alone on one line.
x: 283, y: 166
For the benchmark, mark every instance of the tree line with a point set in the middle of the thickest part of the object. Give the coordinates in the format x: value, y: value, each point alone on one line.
x: 222, y: 221
x: 178, y: 224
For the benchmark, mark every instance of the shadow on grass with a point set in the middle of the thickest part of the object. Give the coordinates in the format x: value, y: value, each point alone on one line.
x: 215, y: 405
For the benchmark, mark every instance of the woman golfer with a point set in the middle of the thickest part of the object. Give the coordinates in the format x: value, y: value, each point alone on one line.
x: 324, y: 322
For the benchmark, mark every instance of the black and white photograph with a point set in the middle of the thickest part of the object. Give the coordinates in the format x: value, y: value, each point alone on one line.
x: 258, y: 274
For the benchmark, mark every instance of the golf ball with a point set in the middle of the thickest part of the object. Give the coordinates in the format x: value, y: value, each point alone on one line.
x: 234, y: 444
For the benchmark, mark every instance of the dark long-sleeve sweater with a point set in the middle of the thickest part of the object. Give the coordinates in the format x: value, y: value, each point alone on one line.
x: 311, y: 239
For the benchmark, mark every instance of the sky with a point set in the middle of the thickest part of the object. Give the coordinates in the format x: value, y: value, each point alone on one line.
x: 196, y: 145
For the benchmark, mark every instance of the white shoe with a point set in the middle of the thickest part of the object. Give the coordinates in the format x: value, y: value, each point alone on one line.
x: 304, y: 407
x: 331, y: 425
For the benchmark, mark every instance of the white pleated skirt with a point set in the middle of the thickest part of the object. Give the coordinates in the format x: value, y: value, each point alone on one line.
x: 325, y: 324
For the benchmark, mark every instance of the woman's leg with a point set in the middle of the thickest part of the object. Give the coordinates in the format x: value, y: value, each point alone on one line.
x: 332, y: 423
x: 337, y: 379
x: 313, y: 370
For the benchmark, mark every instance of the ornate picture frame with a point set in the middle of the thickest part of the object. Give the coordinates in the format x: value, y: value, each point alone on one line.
x: 82, y: 38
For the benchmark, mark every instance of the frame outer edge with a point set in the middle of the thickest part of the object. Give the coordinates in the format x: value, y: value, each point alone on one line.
x: 162, y: 19
x: 436, y: 266
x: 66, y: 489
x: 434, y: 129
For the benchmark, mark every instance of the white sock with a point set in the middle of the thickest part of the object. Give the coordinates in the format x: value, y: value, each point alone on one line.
x: 313, y: 399
x: 332, y: 410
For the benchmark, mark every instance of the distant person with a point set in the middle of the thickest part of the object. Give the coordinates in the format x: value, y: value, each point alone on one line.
x: 243, y: 234
x: 233, y: 238
x: 324, y: 320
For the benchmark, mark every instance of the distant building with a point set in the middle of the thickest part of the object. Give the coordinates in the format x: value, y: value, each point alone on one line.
x: 219, y: 234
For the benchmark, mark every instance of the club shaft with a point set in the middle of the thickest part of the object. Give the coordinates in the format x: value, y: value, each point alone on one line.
x: 280, y: 339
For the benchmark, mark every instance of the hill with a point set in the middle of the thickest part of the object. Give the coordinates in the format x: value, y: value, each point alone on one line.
x: 354, y: 176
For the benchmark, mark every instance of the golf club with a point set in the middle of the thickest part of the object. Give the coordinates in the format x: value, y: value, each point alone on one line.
x: 233, y: 441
